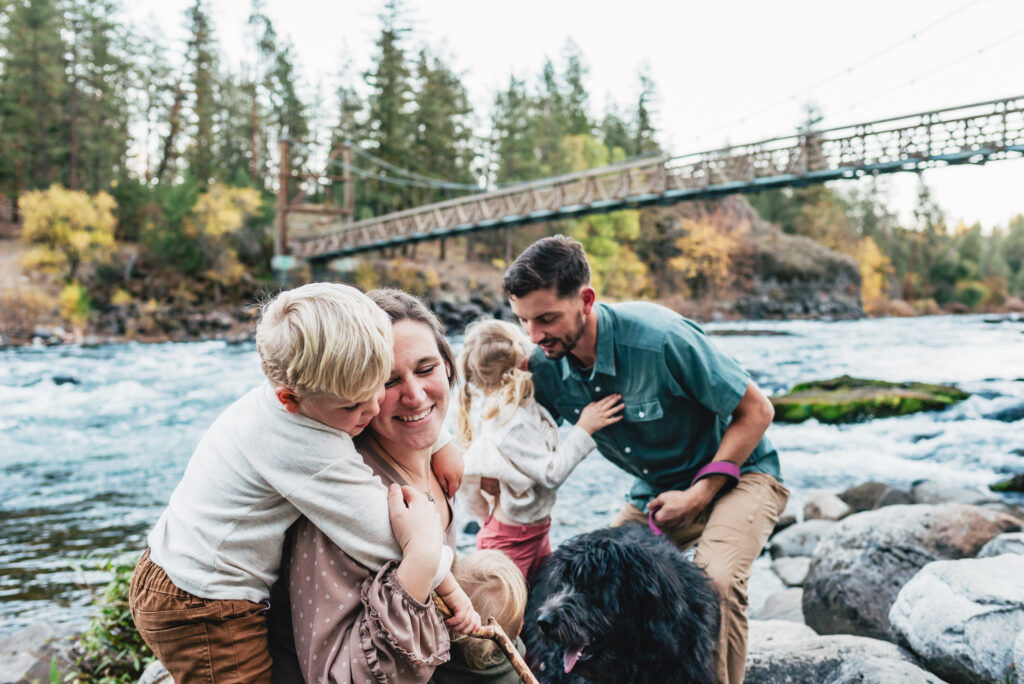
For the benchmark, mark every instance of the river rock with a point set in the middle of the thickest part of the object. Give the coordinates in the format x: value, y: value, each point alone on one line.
x: 800, y: 539
x: 792, y: 570
x: 763, y: 583
x: 961, y: 617
x: 826, y: 506
x: 861, y: 564
x: 785, y: 520
x: 836, y: 659
x: 872, y: 495
x: 931, y: 492
x: 1012, y: 484
x: 1011, y: 542
x: 26, y: 655
x: 156, y: 673
x: 784, y: 605
x: 765, y: 633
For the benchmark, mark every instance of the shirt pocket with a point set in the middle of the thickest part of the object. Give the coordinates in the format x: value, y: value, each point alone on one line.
x: 645, y: 422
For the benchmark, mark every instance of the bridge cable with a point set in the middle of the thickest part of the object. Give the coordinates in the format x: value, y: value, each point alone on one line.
x: 839, y: 74
x: 929, y: 74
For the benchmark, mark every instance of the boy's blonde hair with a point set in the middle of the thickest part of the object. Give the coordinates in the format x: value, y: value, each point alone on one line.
x: 325, y: 338
x: 490, y: 361
x: 497, y: 589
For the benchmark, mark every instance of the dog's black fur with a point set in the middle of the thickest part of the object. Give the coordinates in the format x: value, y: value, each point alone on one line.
x: 641, y: 612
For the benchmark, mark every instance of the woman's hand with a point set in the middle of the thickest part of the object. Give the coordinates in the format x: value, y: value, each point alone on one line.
x: 448, y: 467
x: 601, y: 413
x: 464, y: 619
x: 417, y: 527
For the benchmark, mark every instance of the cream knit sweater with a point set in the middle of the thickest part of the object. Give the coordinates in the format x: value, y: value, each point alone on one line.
x: 255, y: 471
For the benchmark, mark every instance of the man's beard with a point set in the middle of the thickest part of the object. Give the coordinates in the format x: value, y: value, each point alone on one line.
x: 564, y: 344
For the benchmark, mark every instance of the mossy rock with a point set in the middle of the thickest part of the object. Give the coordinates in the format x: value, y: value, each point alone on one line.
x: 850, y: 400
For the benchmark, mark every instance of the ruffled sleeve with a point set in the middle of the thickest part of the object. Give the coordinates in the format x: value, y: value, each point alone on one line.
x: 398, y: 631
x: 351, y: 625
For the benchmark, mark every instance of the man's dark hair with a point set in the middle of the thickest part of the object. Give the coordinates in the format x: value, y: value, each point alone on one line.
x: 557, y: 262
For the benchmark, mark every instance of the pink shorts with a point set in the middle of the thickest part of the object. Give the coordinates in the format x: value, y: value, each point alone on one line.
x: 527, y: 545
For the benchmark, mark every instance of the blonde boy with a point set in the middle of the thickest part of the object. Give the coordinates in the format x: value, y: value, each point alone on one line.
x: 284, y: 449
x: 497, y: 589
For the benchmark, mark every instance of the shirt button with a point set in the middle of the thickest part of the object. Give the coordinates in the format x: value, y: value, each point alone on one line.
x: 646, y: 471
x: 597, y: 389
x: 628, y: 450
x: 577, y: 410
x: 640, y: 414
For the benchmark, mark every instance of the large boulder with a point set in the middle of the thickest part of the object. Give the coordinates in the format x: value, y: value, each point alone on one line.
x: 872, y: 495
x: 799, y: 539
x: 850, y: 400
x: 961, y: 617
x: 837, y: 659
x: 27, y: 655
x: 860, y: 566
x: 786, y: 605
x: 931, y: 492
x: 765, y: 633
x: 792, y: 570
x: 826, y: 506
x: 1011, y: 542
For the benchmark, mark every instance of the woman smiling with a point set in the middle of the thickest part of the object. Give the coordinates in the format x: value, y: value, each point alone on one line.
x: 349, y: 624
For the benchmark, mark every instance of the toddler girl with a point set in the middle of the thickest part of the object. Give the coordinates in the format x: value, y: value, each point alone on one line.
x: 514, y: 460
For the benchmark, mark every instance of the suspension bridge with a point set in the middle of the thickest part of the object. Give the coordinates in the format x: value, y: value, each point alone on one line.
x: 968, y: 134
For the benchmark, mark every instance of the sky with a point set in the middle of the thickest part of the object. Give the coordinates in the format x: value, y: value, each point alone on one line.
x: 726, y: 71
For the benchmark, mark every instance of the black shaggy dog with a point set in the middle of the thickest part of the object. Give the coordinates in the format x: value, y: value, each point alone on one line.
x: 621, y: 605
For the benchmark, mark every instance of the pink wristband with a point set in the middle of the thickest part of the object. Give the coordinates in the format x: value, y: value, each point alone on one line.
x: 727, y: 468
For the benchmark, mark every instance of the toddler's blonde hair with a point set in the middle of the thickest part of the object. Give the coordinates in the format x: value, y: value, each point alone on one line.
x: 325, y: 338
x: 491, y: 355
x: 497, y: 589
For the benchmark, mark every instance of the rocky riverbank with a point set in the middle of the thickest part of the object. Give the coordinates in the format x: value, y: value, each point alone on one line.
x: 873, y: 584
x: 887, y: 586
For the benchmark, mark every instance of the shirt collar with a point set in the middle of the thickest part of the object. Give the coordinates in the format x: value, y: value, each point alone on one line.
x: 605, y: 361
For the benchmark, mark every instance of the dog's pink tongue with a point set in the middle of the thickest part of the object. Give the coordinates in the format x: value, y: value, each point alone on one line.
x: 570, y: 658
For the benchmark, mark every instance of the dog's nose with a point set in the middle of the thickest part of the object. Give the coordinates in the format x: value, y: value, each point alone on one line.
x: 545, y: 623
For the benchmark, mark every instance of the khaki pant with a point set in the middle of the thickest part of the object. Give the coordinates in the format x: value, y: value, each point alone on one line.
x: 730, y: 534
x: 199, y: 640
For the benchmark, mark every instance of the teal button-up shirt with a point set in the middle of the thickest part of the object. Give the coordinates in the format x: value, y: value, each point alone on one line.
x: 679, y: 393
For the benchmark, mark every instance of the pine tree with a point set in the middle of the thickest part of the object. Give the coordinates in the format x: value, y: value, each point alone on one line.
x: 576, y: 98
x: 201, y: 58
x: 512, y: 140
x: 32, y: 118
x: 442, y: 132
x: 389, y: 122
x: 99, y: 78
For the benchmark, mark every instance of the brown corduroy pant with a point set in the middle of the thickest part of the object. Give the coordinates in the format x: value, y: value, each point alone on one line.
x: 730, y: 534
x: 199, y: 640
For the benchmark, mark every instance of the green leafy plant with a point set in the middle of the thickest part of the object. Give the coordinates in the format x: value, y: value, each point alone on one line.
x: 112, y: 650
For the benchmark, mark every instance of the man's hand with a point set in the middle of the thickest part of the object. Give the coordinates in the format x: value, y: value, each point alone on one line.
x: 679, y: 508
x: 448, y: 466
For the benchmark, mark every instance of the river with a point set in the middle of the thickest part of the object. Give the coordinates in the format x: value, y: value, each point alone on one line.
x: 93, y: 440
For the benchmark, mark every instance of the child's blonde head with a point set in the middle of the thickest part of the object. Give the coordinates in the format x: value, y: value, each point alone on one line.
x: 325, y: 338
x: 497, y: 589
x: 491, y: 359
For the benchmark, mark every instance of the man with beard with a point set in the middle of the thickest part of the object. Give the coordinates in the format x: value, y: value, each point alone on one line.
x: 693, y: 427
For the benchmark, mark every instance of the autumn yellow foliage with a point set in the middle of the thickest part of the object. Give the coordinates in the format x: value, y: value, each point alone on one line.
x: 705, y: 257
x: 67, y: 230
x: 875, y: 270
x: 218, y: 214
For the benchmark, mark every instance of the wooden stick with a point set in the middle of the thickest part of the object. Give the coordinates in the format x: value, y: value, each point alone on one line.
x: 493, y: 631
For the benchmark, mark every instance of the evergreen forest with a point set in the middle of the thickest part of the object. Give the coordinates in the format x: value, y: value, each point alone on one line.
x: 139, y: 174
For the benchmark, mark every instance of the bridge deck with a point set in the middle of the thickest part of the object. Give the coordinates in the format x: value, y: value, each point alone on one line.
x: 970, y: 134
